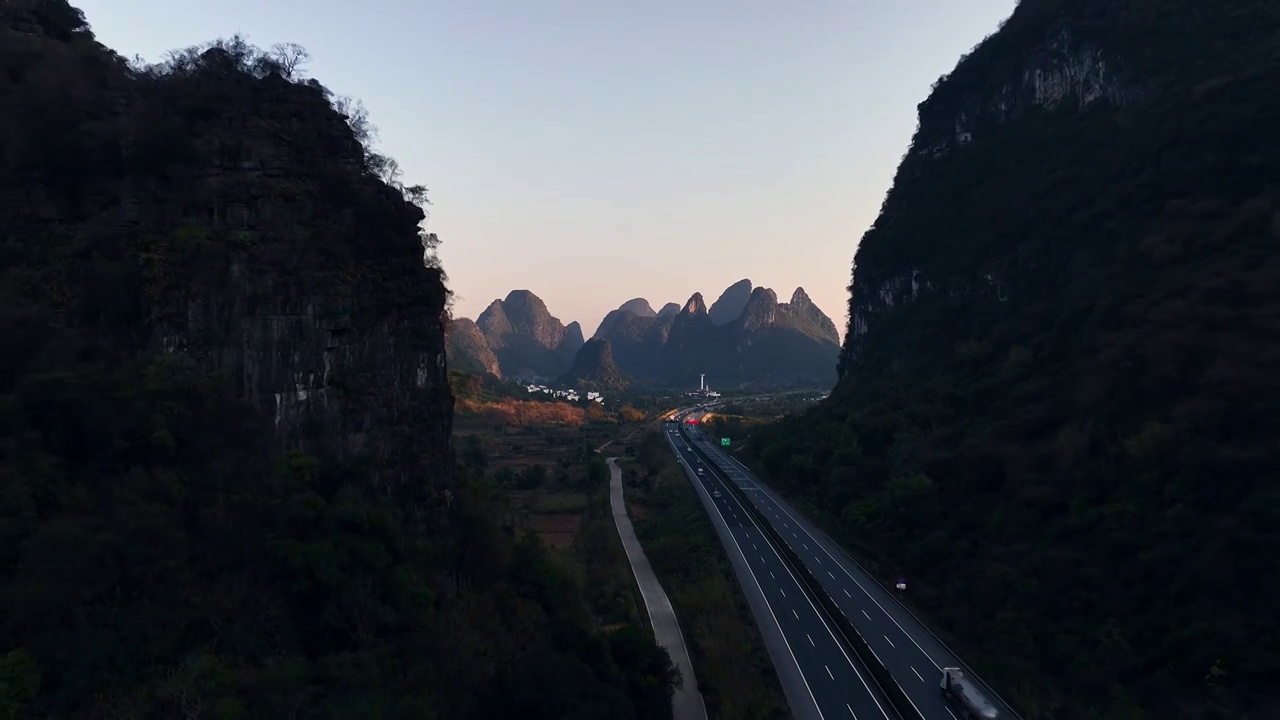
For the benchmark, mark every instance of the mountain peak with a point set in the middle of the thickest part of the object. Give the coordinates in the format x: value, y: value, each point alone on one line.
x: 729, y: 306
x: 524, y: 299
x: 467, y: 349
x: 668, y: 310
x: 638, y: 306
x: 527, y: 339
x: 695, y: 305
x: 800, y: 298
x: 593, y: 368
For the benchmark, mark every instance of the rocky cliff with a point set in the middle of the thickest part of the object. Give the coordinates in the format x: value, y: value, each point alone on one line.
x: 526, y: 338
x: 668, y: 310
x: 318, y: 307
x: 763, y: 343
x: 594, y: 368
x: 225, y: 471
x: 1054, y: 410
x: 731, y: 303
x: 467, y: 350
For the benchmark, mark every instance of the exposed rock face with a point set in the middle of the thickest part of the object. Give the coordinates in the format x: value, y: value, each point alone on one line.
x: 668, y: 310
x: 731, y: 303
x: 695, y: 305
x: 572, y: 341
x: 778, y: 342
x: 636, y: 341
x: 317, y: 305
x: 467, y: 350
x: 526, y: 338
x: 638, y: 306
x: 1061, y: 346
x: 594, y: 369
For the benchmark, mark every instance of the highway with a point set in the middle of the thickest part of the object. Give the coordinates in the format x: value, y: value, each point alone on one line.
x: 907, y: 649
x: 821, y: 677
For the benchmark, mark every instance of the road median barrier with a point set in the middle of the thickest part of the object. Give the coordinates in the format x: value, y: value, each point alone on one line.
x: 902, y: 705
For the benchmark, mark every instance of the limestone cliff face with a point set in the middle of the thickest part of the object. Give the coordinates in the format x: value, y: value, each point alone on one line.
x: 731, y: 303
x: 1063, y: 293
x: 1047, y: 67
x: 246, y: 230
x: 638, y: 306
x: 763, y: 342
x: 594, y: 369
x: 468, y: 352
x: 528, y: 340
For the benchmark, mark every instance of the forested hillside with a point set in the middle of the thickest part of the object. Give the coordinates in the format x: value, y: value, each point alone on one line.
x: 226, y: 482
x: 1057, y: 412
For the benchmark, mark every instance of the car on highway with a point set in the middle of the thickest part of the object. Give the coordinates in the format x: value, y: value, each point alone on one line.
x: 715, y: 494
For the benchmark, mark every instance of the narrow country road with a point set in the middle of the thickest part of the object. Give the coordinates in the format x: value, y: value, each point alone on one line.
x: 687, y: 703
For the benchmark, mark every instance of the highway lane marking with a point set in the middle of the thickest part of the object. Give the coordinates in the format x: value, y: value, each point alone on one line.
x: 864, y: 612
x: 857, y: 673
x: 851, y: 712
x: 776, y: 623
x: 806, y: 547
x: 784, y: 592
x: 833, y: 575
x: 860, y: 587
x: 846, y: 594
x: 772, y: 575
x: 833, y: 677
x: 953, y: 715
x: 810, y: 639
x: 865, y: 615
x: 886, y: 639
x: 913, y: 669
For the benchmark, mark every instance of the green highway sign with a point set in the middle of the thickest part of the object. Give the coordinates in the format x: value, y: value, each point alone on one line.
x: 724, y: 442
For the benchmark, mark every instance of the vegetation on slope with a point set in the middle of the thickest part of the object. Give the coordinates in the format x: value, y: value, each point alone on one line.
x: 161, y: 555
x: 1075, y: 469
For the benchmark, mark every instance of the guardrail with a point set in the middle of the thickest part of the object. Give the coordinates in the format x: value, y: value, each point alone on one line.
x: 960, y: 663
x: 902, y: 705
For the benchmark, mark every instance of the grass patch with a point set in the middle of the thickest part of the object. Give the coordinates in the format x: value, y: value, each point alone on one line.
x: 734, y: 672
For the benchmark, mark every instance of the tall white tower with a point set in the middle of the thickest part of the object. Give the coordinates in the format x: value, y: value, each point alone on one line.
x: 702, y: 381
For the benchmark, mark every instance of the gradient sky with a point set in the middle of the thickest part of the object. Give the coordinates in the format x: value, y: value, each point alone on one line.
x: 595, y: 151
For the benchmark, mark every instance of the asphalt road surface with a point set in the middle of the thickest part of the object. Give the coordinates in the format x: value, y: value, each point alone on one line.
x: 686, y: 703
x: 820, y: 676
x: 911, y: 653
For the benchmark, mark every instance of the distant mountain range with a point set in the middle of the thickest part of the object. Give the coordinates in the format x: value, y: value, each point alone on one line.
x: 746, y: 339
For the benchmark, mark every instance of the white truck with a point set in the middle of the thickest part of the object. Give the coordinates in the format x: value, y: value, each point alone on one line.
x: 963, y: 694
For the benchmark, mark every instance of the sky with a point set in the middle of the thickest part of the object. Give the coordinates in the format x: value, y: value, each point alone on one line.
x: 594, y: 151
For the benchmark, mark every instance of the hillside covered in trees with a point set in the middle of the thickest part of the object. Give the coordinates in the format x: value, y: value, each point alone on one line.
x: 226, y: 482
x: 1057, y: 410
